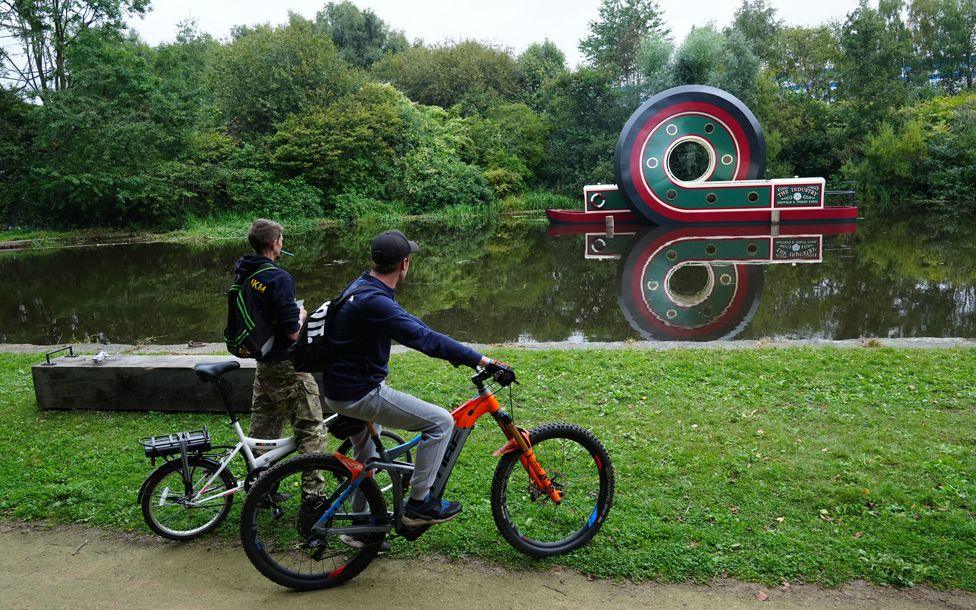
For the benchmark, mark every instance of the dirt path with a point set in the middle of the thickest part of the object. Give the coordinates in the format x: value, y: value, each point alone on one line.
x: 79, y: 567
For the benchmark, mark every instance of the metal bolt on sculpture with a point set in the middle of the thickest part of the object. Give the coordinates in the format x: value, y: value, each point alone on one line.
x: 731, y: 159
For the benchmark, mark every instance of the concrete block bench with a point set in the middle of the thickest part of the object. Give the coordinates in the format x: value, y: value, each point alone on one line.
x: 137, y: 383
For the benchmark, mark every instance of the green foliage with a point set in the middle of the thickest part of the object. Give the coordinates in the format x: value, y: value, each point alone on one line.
x: 586, y: 112
x: 352, y: 143
x: 756, y: 21
x: 654, y: 64
x: 698, y: 58
x: 538, y: 201
x: 804, y: 59
x: 801, y: 139
x: 433, y: 179
x: 102, y: 146
x: 361, y: 37
x: 874, y: 48
x: 14, y: 134
x: 445, y: 75
x: 536, y: 67
x: 39, y: 36
x: 930, y: 154
x: 509, y: 141
x: 944, y: 36
x: 354, y: 207
x: 262, y: 196
x: 285, y: 118
x: 267, y: 73
x: 615, y: 37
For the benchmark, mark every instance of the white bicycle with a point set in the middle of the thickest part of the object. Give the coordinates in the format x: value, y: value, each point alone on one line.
x: 192, y: 491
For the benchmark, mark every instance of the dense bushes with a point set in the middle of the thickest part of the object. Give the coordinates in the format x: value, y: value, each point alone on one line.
x: 928, y: 153
x: 341, y: 116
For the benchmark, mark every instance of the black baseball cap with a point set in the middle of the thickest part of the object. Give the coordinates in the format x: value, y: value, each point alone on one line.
x: 391, y: 247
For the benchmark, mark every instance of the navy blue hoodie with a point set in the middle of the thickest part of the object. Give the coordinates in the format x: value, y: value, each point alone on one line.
x: 362, y: 330
x: 276, y: 301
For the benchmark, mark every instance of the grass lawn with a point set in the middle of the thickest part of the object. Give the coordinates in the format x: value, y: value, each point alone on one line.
x: 821, y: 465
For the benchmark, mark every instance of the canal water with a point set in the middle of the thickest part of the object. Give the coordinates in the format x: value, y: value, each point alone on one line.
x: 525, y: 281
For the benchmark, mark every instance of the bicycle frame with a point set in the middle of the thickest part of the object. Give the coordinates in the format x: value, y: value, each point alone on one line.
x: 274, y: 449
x: 465, y: 418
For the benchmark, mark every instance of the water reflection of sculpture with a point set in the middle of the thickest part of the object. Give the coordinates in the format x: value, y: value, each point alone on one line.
x: 699, y: 283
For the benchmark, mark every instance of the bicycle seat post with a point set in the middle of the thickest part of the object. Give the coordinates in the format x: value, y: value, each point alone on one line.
x: 223, y: 397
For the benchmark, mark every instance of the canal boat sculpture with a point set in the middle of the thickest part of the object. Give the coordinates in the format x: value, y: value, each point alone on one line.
x: 726, y: 184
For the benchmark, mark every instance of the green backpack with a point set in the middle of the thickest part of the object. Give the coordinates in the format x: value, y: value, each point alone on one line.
x: 248, y: 334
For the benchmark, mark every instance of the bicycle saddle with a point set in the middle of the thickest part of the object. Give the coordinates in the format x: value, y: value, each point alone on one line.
x: 212, y: 371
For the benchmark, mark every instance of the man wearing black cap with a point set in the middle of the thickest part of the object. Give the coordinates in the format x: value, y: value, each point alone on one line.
x: 355, y: 383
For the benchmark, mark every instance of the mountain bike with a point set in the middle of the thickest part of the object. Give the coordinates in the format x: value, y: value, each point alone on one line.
x: 551, y: 492
x: 192, y: 491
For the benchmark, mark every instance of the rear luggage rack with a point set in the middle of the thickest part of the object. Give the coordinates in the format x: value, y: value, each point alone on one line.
x: 194, y: 441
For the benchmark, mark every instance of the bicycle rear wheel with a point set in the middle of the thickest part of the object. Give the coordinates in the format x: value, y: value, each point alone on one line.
x: 166, y: 503
x: 276, y: 525
x: 580, y: 467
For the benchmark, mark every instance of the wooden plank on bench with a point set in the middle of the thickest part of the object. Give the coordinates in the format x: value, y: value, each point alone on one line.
x: 138, y: 383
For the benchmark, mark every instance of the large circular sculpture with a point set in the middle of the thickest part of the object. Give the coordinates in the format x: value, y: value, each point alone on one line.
x: 724, y: 131
x: 679, y: 284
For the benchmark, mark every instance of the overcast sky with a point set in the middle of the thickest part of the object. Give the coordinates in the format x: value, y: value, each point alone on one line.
x: 510, y: 23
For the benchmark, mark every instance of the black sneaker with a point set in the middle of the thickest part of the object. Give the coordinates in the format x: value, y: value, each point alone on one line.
x: 429, y: 512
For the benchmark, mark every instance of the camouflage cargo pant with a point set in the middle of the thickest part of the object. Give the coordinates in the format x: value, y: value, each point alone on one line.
x: 281, y: 393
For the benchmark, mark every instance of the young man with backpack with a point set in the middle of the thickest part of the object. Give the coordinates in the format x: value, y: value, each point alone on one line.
x: 280, y: 392
x: 361, y: 332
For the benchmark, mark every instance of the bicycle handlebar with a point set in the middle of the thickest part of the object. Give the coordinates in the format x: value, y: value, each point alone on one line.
x: 501, y: 373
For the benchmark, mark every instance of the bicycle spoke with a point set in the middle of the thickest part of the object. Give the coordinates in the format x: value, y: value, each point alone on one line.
x: 571, y: 469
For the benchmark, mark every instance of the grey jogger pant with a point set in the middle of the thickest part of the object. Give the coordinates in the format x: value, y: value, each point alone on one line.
x: 388, y: 407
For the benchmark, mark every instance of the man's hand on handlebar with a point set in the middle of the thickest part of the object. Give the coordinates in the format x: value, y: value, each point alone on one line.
x: 498, y: 370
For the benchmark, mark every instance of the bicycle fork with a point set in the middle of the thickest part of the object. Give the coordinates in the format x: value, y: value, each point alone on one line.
x: 518, y: 440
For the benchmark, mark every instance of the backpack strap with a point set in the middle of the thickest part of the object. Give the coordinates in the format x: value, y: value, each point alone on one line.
x: 241, y: 305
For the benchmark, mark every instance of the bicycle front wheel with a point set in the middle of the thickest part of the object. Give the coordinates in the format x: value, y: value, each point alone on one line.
x: 579, y: 466
x: 171, y: 508
x: 277, y: 525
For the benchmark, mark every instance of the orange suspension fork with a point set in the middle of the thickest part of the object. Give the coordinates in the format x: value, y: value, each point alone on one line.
x: 467, y: 414
x: 518, y: 440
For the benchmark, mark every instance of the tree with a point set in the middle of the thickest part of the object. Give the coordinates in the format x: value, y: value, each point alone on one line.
x: 537, y: 66
x: 586, y: 111
x: 352, y: 144
x: 697, y: 61
x: 806, y: 59
x: 740, y: 68
x: 510, y: 142
x: 944, y: 36
x: 361, y: 37
x: 709, y: 57
x: 267, y: 73
x: 103, y: 148
x: 445, y: 75
x: 654, y: 64
x: 756, y: 21
x: 874, y: 51
x: 15, y: 137
x: 44, y: 30
x: 615, y: 37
